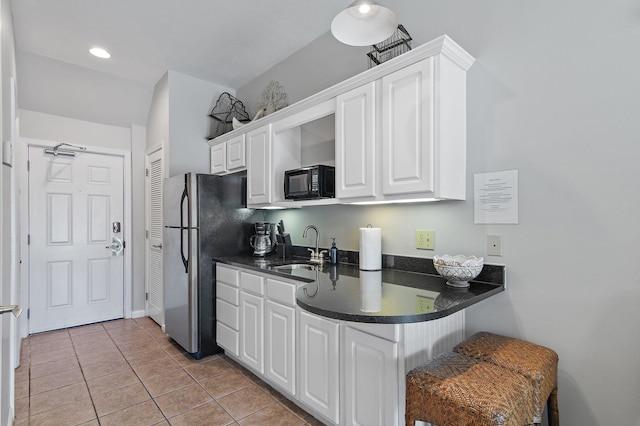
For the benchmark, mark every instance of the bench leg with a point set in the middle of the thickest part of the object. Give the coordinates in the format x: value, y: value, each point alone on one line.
x: 552, y: 408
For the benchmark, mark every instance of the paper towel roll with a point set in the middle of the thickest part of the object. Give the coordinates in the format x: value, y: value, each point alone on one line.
x: 371, y: 291
x: 370, y: 249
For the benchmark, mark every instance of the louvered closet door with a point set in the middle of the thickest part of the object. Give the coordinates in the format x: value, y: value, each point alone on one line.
x: 75, y: 276
x: 154, y: 180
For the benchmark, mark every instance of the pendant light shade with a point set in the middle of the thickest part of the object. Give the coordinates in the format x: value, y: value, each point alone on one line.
x: 364, y: 23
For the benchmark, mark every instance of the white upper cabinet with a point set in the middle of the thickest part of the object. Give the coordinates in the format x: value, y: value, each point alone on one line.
x: 407, y: 130
x: 259, y: 182
x: 355, y: 142
x: 399, y: 133
x: 229, y: 156
x: 424, y: 130
x: 219, y: 159
x: 236, y: 156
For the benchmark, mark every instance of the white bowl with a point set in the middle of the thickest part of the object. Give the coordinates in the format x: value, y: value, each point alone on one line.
x: 458, y: 270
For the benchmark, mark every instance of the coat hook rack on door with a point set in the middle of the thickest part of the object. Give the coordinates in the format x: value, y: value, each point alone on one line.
x: 55, y: 151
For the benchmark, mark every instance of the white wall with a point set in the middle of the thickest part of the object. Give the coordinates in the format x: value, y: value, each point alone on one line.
x: 555, y: 94
x: 9, y: 246
x: 67, y: 90
x: 38, y: 125
x: 190, y: 101
x: 179, y: 119
x: 158, y: 117
x: 138, y: 227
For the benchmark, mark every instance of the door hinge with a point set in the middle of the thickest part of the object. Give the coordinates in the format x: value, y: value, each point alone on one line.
x: 146, y: 172
x: 28, y: 313
x: 146, y: 296
x: 28, y: 165
x: 146, y: 233
x: 28, y: 239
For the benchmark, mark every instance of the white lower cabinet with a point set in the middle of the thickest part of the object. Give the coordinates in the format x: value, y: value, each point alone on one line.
x: 228, y: 309
x: 280, y: 329
x: 344, y: 373
x: 319, y: 364
x: 252, y: 331
x: 371, y: 379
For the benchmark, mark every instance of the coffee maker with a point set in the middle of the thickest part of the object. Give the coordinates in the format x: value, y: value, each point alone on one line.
x: 264, y: 240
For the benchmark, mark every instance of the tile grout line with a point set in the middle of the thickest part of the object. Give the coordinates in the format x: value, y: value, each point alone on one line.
x: 139, y: 378
x: 93, y: 405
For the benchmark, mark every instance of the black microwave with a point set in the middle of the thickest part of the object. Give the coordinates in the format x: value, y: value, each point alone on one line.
x: 310, y: 182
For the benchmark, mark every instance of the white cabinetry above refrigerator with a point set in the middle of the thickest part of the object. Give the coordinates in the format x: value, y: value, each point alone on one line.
x: 398, y: 133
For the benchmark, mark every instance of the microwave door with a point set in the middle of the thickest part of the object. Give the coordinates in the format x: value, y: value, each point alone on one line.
x: 298, y: 185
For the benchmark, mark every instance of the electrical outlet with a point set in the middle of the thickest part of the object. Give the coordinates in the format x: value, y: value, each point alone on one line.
x: 425, y: 239
x: 494, y: 245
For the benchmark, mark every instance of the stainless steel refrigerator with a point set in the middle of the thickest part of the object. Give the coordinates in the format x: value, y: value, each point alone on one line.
x: 204, y: 218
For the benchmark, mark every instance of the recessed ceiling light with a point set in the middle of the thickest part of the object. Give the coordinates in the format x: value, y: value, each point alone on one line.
x: 100, y: 53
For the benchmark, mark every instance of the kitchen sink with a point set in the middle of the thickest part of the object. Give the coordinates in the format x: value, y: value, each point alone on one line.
x: 291, y: 266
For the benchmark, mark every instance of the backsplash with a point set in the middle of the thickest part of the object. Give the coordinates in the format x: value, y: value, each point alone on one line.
x: 492, y: 274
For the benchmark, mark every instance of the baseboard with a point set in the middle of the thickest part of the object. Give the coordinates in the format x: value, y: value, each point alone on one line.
x: 138, y: 314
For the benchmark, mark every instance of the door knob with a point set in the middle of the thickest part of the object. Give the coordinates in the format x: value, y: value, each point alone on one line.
x: 16, y: 310
x: 117, y: 245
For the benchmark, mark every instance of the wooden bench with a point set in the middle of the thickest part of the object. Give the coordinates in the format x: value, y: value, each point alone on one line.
x: 487, y: 380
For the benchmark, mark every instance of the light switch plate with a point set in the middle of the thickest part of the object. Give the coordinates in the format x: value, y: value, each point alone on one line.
x: 494, y: 245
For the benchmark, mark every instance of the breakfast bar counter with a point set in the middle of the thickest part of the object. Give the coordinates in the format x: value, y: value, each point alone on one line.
x: 387, y: 296
x: 317, y: 332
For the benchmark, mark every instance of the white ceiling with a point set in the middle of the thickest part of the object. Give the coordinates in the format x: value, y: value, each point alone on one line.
x: 228, y: 42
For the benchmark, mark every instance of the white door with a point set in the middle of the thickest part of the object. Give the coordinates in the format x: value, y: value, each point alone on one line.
x: 76, y: 216
x: 153, y: 189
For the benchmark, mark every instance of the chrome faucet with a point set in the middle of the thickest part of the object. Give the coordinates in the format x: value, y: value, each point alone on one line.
x: 316, y: 255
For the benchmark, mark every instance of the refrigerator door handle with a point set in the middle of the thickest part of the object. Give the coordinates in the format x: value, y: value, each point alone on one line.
x: 185, y: 196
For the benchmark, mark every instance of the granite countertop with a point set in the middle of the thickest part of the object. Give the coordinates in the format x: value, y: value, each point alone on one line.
x: 388, y: 296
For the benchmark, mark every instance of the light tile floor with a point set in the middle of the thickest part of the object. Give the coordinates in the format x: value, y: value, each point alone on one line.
x: 128, y: 372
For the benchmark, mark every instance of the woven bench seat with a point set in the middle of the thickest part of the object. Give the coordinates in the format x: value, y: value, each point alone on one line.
x: 488, y: 380
x: 455, y: 390
x: 538, y: 363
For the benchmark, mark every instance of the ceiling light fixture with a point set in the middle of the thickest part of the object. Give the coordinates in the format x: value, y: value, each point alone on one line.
x: 364, y: 23
x: 100, y: 52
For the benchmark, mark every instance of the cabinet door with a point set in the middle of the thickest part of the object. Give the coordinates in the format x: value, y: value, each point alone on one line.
x: 371, y: 382
x: 319, y: 365
x: 259, y: 166
x: 252, y: 331
x: 408, y: 130
x: 236, y: 157
x: 280, y: 344
x: 355, y: 142
x: 219, y: 159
